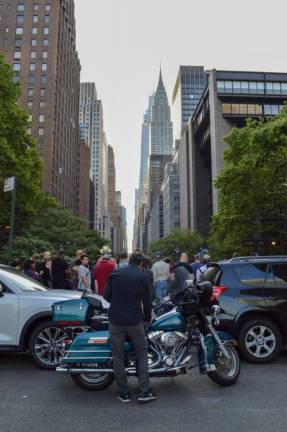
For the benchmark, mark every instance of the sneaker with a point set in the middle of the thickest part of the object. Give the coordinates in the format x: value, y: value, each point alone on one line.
x: 146, y: 396
x: 123, y: 397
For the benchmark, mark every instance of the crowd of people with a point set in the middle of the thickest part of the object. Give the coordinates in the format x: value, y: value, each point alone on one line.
x: 129, y: 284
x: 164, y: 274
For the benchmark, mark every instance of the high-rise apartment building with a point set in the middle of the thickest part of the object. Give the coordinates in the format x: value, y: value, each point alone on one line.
x: 171, y: 198
x: 189, y: 86
x: 38, y: 39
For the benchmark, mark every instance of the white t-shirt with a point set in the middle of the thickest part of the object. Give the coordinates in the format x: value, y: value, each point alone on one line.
x: 200, y: 272
x: 84, y: 271
x: 160, y: 271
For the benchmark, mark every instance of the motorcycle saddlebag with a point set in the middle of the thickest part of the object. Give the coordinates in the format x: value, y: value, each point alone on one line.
x: 69, y: 312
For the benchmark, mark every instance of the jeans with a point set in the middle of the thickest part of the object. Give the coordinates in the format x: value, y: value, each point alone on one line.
x: 161, y: 289
x: 137, y: 336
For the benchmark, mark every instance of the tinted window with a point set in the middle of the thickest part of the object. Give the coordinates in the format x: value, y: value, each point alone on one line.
x: 280, y: 275
x: 212, y: 274
x: 252, y: 275
x: 11, y: 277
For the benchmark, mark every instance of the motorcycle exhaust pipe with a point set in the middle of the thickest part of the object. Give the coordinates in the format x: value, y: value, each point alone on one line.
x: 130, y: 372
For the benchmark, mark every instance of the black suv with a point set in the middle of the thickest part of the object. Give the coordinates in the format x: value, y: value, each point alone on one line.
x: 252, y: 295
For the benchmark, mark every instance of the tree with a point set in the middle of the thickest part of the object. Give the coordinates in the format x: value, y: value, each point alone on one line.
x: 19, y: 154
x: 180, y: 238
x: 253, y: 188
x: 53, y: 228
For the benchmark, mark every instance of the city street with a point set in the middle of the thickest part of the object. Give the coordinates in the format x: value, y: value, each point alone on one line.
x: 34, y: 400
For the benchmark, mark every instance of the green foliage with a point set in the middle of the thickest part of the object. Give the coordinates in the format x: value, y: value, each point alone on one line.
x: 53, y: 228
x: 19, y: 155
x: 180, y: 238
x: 253, y: 187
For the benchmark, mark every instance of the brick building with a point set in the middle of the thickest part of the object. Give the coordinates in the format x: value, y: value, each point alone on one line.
x: 38, y: 39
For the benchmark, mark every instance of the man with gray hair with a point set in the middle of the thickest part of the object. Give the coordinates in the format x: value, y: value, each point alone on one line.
x: 202, y: 270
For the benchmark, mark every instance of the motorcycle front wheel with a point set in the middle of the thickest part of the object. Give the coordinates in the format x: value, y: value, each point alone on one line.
x: 227, y: 370
x: 93, y: 381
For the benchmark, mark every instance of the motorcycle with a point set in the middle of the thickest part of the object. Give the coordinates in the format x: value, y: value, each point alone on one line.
x: 178, y: 341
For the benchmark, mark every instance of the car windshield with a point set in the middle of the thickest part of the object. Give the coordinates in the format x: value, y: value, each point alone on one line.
x: 12, y: 277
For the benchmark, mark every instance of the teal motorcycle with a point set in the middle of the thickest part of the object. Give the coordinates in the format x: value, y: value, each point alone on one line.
x: 179, y: 340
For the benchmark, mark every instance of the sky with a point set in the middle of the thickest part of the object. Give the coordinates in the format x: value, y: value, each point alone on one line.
x: 121, y: 44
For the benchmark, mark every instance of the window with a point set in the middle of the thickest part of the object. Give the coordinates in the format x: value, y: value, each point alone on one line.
x: 30, y: 92
x: 252, y: 275
x: 16, y: 67
x: 17, y: 55
x: 46, y: 30
x: 43, y: 92
x: 43, y: 79
x: 20, y: 18
x: 31, y: 79
x: 19, y: 30
x: 42, y: 104
x: 18, y: 43
x: 47, y: 18
x: 252, y: 87
x: 29, y: 131
x: 44, y: 67
x: 45, y: 54
x: 269, y: 88
x: 33, y: 55
x: 236, y: 87
x: 284, y: 88
x: 47, y: 7
x: 20, y: 7
x: 280, y: 275
x: 30, y: 118
x: 32, y: 67
x: 30, y: 105
x: 41, y: 131
x: 16, y: 78
x: 7, y: 29
x: 34, y: 30
x: 267, y: 110
x: 41, y: 118
x: 260, y: 87
x: 33, y: 42
x: 276, y: 88
x: 45, y: 42
x: 36, y: 6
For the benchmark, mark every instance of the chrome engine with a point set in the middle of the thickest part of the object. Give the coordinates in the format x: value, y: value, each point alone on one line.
x: 170, y: 345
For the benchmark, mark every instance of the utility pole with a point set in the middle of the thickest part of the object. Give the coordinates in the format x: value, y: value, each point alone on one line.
x: 10, y: 185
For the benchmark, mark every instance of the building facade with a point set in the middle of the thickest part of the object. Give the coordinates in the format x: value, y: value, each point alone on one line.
x: 189, y: 86
x: 84, y: 163
x: 228, y: 100
x: 39, y: 40
x: 171, y: 198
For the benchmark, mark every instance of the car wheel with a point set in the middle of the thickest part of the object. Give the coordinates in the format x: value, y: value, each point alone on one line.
x: 46, y: 345
x: 259, y: 340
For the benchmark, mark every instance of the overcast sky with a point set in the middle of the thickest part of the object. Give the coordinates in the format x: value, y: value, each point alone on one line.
x: 121, y: 44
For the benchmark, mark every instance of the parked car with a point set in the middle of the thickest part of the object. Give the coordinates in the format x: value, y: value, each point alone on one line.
x: 252, y: 295
x: 25, y: 317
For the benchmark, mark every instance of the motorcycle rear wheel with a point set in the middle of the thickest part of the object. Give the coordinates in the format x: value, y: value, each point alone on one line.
x: 227, y: 372
x: 92, y: 381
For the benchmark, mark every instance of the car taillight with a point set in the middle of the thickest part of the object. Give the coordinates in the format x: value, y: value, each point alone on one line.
x: 218, y: 290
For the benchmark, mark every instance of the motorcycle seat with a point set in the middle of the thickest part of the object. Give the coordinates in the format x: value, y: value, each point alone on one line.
x: 94, y: 302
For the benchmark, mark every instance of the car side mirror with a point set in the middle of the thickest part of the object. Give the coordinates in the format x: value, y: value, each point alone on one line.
x: 1, y: 290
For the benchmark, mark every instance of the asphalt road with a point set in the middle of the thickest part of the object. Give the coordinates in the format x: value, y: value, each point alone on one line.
x: 32, y: 400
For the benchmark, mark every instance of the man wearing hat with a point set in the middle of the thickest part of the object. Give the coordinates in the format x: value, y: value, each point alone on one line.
x: 104, y: 267
x: 161, y: 276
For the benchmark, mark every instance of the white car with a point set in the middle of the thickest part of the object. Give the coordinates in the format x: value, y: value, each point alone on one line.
x: 25, y: 317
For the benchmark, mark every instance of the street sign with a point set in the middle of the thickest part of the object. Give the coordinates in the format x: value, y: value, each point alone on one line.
x: 9, y: 184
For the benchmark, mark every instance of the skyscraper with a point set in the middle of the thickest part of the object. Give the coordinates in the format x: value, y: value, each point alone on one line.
x: 189, y: 86
x: 161, y: 140
x: 91, y: 120
x: 161, y: 130
x: 39, y: 41
x: 145, y: 147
